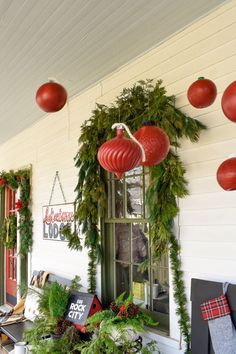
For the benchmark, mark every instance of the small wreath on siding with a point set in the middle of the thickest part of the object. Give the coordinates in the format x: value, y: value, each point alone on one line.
x: 9, y: 232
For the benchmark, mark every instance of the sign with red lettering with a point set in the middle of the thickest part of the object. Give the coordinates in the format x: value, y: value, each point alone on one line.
x: 55, y: 217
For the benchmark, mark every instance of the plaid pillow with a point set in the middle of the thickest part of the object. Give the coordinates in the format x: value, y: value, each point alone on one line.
x: 215, y: 308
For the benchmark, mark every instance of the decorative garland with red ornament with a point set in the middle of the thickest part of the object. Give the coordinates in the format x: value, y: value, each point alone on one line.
x: 19, y: 179
x: 145, y: 101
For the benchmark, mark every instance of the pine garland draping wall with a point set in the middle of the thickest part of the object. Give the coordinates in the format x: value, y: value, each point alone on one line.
x: 144, y: 101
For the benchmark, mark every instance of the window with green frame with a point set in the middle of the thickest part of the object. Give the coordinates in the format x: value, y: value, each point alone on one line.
x: 128, y: 263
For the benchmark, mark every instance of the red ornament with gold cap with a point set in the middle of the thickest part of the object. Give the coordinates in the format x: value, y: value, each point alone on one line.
x: 202, y: 93
x: 154, y: 141
x: 120, y: 154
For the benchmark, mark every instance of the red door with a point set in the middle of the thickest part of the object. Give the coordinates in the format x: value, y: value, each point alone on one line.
x: 10, y: 260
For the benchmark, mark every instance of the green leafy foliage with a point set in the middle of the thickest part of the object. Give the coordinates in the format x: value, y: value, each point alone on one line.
x: 61, y: 336
x: 144, y: 101
x: 115, y: 327
x: 72, y: 238
x: 58, y: 300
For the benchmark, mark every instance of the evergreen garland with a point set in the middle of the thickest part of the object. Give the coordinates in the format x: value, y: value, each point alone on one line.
x: 144, y: 101
x: 21, y: 179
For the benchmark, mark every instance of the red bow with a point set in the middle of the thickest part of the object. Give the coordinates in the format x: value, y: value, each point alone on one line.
x: 18, y: 205
x: 2, y: 181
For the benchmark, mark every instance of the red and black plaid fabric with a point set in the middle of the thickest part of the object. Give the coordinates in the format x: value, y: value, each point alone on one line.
x: 215, y: 308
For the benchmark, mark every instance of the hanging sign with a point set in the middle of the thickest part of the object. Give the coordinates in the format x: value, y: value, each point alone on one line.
x: 55, y: 217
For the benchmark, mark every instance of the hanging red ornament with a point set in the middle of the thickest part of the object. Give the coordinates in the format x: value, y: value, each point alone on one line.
x: 18, y: 205
x: 120, y: 154
x: 228, y: 102
x: 226, y: 174
x: 51, y: 97
x: 202, y: 93
x: 154, y: 141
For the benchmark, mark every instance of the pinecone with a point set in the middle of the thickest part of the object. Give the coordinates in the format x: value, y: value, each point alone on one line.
x: 61, y: 326
x: 114, y: 307
x: 133, y: 310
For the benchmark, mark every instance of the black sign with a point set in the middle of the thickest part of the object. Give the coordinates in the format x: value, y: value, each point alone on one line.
x: 80, y: 306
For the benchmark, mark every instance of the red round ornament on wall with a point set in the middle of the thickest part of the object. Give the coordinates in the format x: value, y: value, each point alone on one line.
x: 202, y: 93
x: 51, y: 97
x: 228, y: 102
x: 154, y: 141
x: 226, y: 174
x: 120, y: 154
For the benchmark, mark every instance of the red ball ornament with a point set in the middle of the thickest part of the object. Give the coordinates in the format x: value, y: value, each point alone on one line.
x: 228, y: 102
x: 226, y: 174
x: 51, y: 97
x: 202, y: 93
x: 120, y: 154
x: 155, y: 143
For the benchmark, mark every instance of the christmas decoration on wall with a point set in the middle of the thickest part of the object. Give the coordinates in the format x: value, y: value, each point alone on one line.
x: 2, y: 182
x: 154, y: 141
x: 226, y: 174
x: 120, y: 154
x: 202, y: 93
x: 18, y: 205
x: 144, y: 101
x: 228, y: 102
x: 51, y: 97
x: 21, y: 179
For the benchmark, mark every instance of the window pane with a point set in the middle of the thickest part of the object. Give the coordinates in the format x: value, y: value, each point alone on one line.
x: 140, y: 286
x: 160, y: 289
x: 122, y: 242
x: 122, y: 278
x: 139, y: 243
x: 134, y: 197
x: 118, y: 199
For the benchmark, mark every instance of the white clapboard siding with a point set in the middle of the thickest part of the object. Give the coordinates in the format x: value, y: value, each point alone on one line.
x: 208, y: 233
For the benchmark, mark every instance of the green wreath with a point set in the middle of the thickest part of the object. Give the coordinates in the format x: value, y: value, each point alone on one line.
x: 9, y: 232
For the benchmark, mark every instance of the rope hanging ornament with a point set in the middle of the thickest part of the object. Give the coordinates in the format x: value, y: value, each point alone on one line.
x: 56, y: 178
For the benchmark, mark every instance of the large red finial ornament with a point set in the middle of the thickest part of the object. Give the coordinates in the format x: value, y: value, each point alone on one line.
x: 226, y: 174
x: 154, y: 141
x: 202, y: 93
x: 51, y: 97
x: 228, y: 102
x: 120, y: 154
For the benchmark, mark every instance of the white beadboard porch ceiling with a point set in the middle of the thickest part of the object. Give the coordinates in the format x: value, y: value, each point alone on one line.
x: 78, y: 42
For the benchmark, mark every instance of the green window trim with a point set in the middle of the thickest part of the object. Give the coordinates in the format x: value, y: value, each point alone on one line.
x: 109, y: 232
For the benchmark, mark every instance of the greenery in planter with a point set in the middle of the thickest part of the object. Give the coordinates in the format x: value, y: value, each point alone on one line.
x: 50, y: 323
x: 117, y: 328
x: 21, y: 179
x: 144, y: 101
